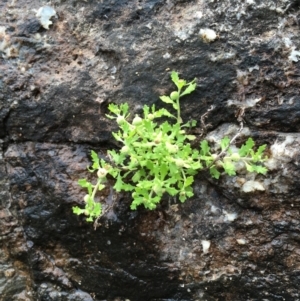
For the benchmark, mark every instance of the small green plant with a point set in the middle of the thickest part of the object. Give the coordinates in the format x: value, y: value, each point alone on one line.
x: 157, y: 158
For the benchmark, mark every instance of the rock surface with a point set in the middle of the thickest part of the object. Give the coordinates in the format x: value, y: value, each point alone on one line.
x: 224, y: 244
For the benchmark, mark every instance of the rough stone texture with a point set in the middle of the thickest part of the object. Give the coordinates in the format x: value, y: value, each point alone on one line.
x: 54, y: 89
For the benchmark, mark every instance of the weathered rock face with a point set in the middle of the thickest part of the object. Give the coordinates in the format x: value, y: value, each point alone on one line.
x: 224, y: 244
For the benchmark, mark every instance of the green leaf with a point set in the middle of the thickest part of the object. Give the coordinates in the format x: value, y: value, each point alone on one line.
x: 175, y: 77
x: 189, y: 191
x: 261, y: 149
x: 117, y: 158
x: 249, y: 167
x: 261, y: 169
x: 150, y: 165
x: 113, y: 172
x: 136, y: 177
x: 127, y: 187
x: 163, y: 171
x: 175, y: 106
x: 214, y: 172
x: 97, y: 209
x: 205, y: 149
x: 78, y: 210
x: 117, y: 136
x: 256, y: 168
x: 149, y: 126
x: 95, y: 160
x: 85, y: 184
x: 193, y: 123
x: 182, y: 197
x: 171, y: 190
x: 189, y: 181
x: 163, y: 112
x: 166, y: 127
x: 196, y: 166
x: 258, y: 154
x: 173, y: 169
x: 157, y: 187
x: 190, y: 124
x: 101, y: 186
x: 229, y: 168
x: 114, y: 108
x: 124, y: 108
x: 190, y: 137
x: 225, y: 143
x: 119, y: 184
x: 246, y: 148
x: 109, y: 116
x: 191, y: 87
x: 166, y: 99
x: 146, y: 110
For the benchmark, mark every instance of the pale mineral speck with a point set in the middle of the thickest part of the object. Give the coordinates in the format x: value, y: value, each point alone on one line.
x: 256, y: 67
x: 208, y: 35
x: 205, y: 246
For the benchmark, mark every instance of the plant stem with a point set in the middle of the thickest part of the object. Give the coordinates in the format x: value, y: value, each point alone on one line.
x: 179, y: 120
x: 95, y: 189
x: 184, y: 177
x: 178, y: 113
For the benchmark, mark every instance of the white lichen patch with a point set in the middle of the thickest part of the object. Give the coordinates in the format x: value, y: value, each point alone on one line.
x: 276, y: 185
x: 252, y: 185
x: 282, y: 152
x: 44, y: 14
x: 247, y: 103
x: 280, y: 149
x: 222, y: 56
x: 229, y: 217
x: 294, y: 55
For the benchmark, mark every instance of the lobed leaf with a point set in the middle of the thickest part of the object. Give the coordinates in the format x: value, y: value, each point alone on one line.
x: 205, y: 149
x: 166, y: 99
x: 214, y: 172
x: 257, y: 156
x: 78, y: 210
x: 85, y: 184
x: 189, y: 181
x: 175, y: 77
x: 246, y: 148
x: 225, y: 143
x: 229, y: 168
x: 191, y: 87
